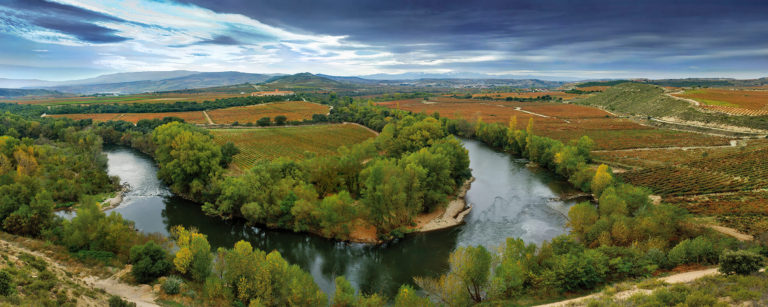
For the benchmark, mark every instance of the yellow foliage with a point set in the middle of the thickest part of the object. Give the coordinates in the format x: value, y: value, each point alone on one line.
x: 603, y: 178
x: 182, y: 260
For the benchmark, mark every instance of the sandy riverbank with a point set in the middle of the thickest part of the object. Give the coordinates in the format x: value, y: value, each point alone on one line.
x: 113, y: 202
x: 452, y: 215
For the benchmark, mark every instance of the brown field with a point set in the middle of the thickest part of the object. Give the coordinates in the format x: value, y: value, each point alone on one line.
x: 560, y: 94
x: 563, y: 122
x: 731, y: 101
x: 138, y: 98
x: 99, y: 117
x: 195, y: 117
x: 294, y: 110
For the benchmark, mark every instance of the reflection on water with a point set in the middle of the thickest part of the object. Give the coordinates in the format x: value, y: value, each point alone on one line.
x: 509, y: 201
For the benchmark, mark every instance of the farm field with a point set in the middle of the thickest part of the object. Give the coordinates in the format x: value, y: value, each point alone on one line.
x: 750, y: 102
x: 293, y: 110
x: 294, y: 142
x: 195, y: 117
x: 560, y: 94
x: 138, y: 98
x: 741, y: 171
x: 563, y: 122
x: 97, y: 117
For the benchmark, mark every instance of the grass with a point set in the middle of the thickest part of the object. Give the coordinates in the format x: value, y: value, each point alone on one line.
x: 258, y: 144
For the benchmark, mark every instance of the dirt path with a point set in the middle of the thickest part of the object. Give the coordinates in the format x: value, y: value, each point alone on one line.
x: 732, y: 232
x: 208, y: 118
x: 691, y: 101
x: 141, y: 295
x: 671, y: 279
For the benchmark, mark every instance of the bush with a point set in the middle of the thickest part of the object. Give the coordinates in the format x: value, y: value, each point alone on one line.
x: 6, y: 283
x: 100, y: 256
x: 740, y: 262
x: 150, y: 261
x: 172, y: 285
x: 116, y: 301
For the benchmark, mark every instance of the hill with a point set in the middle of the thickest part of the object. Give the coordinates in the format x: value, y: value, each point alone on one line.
x: 304, y: 80
x: 198, y: 80
x: 648, y: 100
x: 15, y: 93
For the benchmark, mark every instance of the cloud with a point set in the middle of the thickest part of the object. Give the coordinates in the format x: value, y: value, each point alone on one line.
x: 351, y: 37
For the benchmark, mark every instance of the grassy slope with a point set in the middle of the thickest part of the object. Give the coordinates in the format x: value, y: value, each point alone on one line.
x: 649, y: 100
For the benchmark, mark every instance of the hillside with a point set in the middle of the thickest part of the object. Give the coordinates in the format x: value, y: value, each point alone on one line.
x: 304, y: 80
x: 647, y: 100
x: 15, y: 93
x: 199, y: 80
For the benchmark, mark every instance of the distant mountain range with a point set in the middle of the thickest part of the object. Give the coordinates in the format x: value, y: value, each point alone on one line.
x: 157, y: 81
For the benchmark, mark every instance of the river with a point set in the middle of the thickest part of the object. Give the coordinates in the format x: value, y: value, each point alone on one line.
x: 509, y: 199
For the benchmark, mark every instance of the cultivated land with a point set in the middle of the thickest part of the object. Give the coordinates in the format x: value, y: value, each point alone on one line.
x: 138, y: 98
x: 293, y: 110
x: 736, y: 101
x: 194, y: 117
x: 257, y: 144
x: 559, y: 94
x: 560, y: 121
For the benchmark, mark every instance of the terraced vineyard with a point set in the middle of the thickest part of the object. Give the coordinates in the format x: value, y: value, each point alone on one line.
x: 746, y: 211
x: 269, y: 143
x: 741, y: 171
x: 293, y: 110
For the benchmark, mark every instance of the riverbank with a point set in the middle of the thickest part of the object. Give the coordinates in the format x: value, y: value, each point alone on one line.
x: 452, y: 215
x: 113, y: 202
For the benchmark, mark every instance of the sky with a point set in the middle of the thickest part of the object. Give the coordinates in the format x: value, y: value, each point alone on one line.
x: 551, y: 39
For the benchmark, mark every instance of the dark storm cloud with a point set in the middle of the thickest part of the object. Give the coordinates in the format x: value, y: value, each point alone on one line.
x: 63, y: 18
x: 448, y: 25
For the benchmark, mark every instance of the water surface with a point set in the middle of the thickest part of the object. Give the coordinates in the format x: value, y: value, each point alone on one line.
x: 509, y: 199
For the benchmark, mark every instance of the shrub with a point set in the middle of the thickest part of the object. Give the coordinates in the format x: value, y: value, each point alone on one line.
x: 6, y: 283
x: 116, y: 301
x: 149, y: 261
x: 213, y: 288
x: 740, y: 262
x: 100, y: 256
x: 172, y: 285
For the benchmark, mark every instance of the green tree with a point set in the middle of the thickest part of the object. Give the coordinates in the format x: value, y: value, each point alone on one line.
x: 344, y: 295
x: 336, y: 215
x: 150, y: 261
x: 194, y: 256
x: 467, y: 279
x: 581, y: 217
x: 264, y: 121
x: 189, y: 159
x: 280, y: 120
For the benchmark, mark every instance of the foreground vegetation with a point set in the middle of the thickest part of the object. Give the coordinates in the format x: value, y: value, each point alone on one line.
x: 411, y: 167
